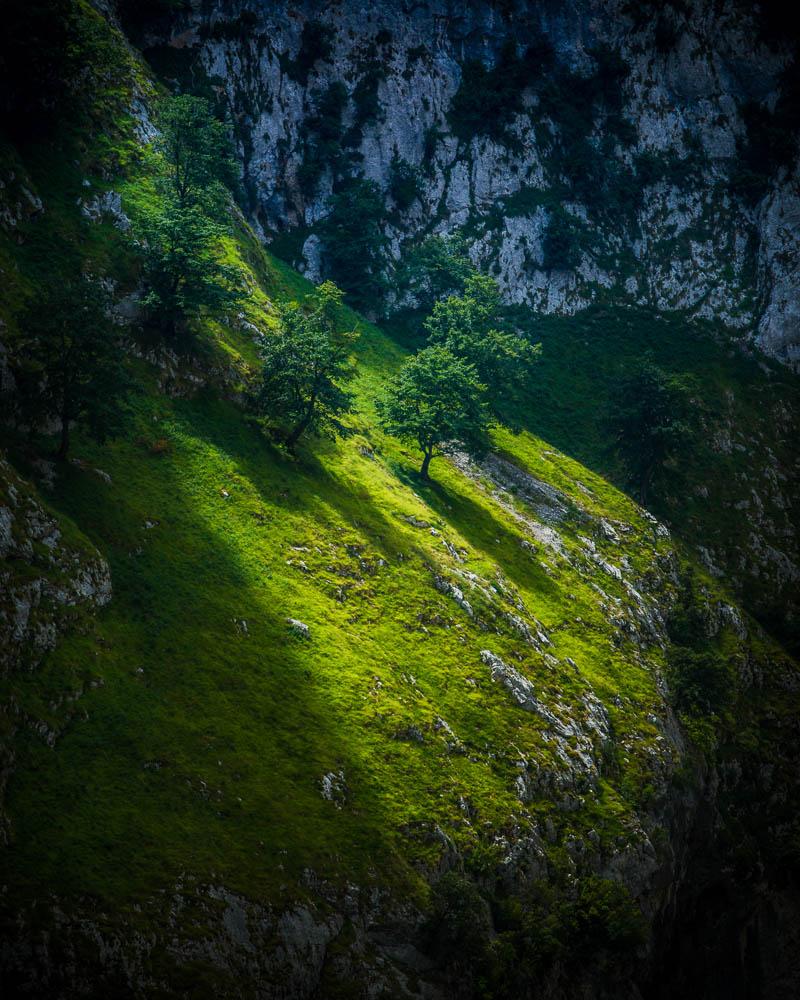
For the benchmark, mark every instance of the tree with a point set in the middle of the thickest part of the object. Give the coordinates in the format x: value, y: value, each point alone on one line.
x: 469, y: 326
x: 439, y: 266
x: 196, y: 153
x: 437, y: 403
x: 355, y: 243
x: 182, y: 270
x: 179, y: 236
x: 650, y: 421
x: 74, y: 371
x: 303, y: 365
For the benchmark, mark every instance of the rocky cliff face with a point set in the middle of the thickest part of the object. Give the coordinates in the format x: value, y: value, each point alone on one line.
x: 643, y: 137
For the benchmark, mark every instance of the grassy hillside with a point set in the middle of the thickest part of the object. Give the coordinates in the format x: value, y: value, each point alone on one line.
x: 732, y: 493
x: 188, y: 734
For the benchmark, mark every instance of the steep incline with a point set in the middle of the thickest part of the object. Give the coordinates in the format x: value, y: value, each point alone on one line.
x: 337, y: 732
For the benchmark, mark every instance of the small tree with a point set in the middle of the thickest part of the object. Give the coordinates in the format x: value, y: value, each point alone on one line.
x: 182, y: 270
x: 196, y: 150
x: 74, y: 370
x: 650, y: 420
x: 469, y: 325
x: 178, y: 237
x: 303, y: 365
x: 437, y: 403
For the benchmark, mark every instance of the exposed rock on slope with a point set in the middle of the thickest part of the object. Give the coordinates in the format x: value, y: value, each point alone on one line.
x: 42, y: 575
x: 47, y: 583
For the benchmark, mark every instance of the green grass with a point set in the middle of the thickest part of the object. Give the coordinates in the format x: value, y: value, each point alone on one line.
x: 196, y: 747
x: 187, y: 746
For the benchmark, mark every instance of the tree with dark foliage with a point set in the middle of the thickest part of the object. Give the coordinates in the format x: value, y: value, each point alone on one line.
x: 75, y: 371
x: 436, y: 403
x: 304, y: 364
x: 651, y: 421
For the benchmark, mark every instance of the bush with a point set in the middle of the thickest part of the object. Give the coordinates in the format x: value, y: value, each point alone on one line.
x: 316, y: 45
x: 404, y: 183
x: 562, y: 251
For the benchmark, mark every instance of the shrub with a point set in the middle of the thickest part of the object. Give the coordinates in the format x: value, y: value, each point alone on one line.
x: 316, y: 45
x: 404, y: 183
x: 562, y: 251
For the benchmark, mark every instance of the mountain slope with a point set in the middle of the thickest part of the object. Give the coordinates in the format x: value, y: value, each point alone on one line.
x: 525, y: 735
x: 627, y: 174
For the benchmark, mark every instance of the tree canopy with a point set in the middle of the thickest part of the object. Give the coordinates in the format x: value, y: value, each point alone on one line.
x: 470, y: 326
x: 198, y: 163
x: 182, y: 269
x: 304, y: 364
x: 355, y: 243
x: 437, y: 403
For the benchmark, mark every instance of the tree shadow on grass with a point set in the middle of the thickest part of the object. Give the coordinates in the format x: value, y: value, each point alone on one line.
x: 204, y: 748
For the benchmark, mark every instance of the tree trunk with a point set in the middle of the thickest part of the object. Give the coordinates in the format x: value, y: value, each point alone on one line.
x: 644, y: 484
x: 63, y: 446
x: 300, y: 428
x: 294, y: 435
x: 426, y: 461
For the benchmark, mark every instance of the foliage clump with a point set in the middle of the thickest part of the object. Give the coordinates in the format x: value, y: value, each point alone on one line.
x: 316, y: 45
x: 198, y: 166
x: 438, y: 266
x: 470, y: 326
x: 303, y: 365
x: 322, y: 139
x: 473, y: 372
x: 488, y: 98
x: 651, y: 419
